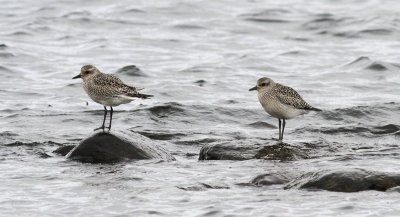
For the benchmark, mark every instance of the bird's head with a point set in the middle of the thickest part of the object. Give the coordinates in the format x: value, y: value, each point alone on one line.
x: 263, y: 83
x: 87, y: 71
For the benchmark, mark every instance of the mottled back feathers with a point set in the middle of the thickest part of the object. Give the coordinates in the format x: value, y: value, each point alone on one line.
x: 288, y: 96
x: 111, y: 86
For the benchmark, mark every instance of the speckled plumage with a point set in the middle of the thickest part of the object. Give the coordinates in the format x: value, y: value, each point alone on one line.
x: 288, y: 96
x: 107, y: 90
x: 281, y: 101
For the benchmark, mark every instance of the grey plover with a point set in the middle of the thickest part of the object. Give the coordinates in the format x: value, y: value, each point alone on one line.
x: 107, y: 90
x: 280, y: 101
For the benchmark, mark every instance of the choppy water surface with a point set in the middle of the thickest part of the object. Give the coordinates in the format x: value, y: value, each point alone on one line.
x: 198, y: 58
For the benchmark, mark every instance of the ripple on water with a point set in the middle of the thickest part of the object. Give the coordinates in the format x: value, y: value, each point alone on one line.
x: 325, y: 23
x: 223, y: 47
x: 268, y: 16
x: 366, y: 63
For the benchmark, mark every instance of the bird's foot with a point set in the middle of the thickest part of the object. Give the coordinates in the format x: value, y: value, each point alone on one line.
x: 101, y: 127
x: 279, y: 142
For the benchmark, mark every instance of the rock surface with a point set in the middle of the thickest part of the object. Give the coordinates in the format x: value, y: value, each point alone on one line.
x: 269, y: 179
x: 246, y: 149
x: 64, y: 150
x: 350, y: 180
x: 106, y: 147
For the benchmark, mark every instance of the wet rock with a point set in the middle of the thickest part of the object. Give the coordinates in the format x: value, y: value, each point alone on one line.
x: 281, y: 152
x: 229, y: 151
x: 43, y: 155
x: 107, y: 147
x: 245, y: 150
x: 350, y: 180
x: 269, y: 179
x: 64, y: 150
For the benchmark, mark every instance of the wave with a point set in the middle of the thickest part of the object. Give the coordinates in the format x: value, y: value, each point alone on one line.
x: 366, y: 63
x: 268, y: 16
x: 131, y: 70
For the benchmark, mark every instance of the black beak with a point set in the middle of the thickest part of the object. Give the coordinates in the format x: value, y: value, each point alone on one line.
x: 78, y: 76
x: 254, y: 88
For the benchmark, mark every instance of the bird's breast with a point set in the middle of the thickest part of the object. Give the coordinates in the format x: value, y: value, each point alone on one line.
x: 277, y: 109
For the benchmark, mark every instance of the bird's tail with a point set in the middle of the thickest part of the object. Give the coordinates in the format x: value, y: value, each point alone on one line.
x: 315, y: 109
x: 143, y: 96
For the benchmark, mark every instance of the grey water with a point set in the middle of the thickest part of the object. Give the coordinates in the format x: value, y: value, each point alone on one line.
x: 198, y: 58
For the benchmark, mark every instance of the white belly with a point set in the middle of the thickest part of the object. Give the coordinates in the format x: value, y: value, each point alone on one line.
x: 106, y: 100
x: 279, y: 110
x: 113, y: 101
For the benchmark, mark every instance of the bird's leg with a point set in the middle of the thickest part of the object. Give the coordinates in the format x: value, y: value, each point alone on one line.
x: 283, y: 127
x: 104, y: 120
x: 279, y: 129
x: 111, y: 113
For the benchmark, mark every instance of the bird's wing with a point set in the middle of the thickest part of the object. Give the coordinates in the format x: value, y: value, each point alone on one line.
x: 106, y: 80
x: 288, y: 96
x: 113, y: 86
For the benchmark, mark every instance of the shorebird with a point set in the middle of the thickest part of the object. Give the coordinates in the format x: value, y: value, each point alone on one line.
x: 281, y: 102
x: 107, y: 90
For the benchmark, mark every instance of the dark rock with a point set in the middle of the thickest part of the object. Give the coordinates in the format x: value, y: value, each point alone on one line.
x: 131, y: 70
x: 43, y: 154
x: 281, y: 152
x: 269, y: 179
x: 231, y: 150
x: 351, y: 180
x: 108, y: 147
x: 245, y: 150
x: 64, y: 150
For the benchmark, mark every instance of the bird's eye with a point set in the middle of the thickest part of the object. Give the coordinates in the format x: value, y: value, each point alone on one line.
x: 87, y: 72
x: 263, y: 84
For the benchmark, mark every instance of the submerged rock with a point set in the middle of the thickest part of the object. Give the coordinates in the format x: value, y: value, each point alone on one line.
x: 105, y: 147
x: 350, y: 180
x: 64, y: 150
x: 269, y: 179
x: 229, y: 151
x: 246, y: 150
